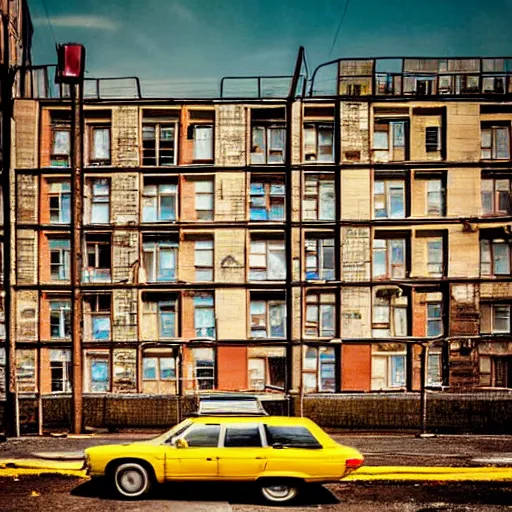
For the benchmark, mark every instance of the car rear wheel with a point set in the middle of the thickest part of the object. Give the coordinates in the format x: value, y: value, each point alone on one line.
x: 279, y: 491
x: 131, y: 480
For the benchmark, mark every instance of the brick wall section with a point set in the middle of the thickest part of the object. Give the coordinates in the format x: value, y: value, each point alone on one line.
x: 26, y: 315
x: 26, y: 253
x: 26, y: 198
x: 356, y: 367
x: 45, y: 138
x: 231, y: 306
x: 125, y: 256
x: 124, y: 208
x: 125, y: 136
x: 232, y: 368
x: 230, y: 142
x: 355, y: 132
x: 25, y: 141
x: 230, y: 197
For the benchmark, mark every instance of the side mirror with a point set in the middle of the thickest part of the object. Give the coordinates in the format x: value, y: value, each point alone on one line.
x: 181, y: 443
x: 278, y: 446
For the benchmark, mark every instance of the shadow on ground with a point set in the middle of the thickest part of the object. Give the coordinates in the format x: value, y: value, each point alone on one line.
x: 235, y: 493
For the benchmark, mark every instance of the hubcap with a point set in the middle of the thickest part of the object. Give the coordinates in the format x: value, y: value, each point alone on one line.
x: 131, y: 481
x: 278, y: 491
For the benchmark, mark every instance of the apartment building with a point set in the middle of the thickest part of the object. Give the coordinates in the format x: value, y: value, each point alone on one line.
x: 307, y: 245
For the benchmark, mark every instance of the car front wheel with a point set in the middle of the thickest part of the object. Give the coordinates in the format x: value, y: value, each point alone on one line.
x: 279, y: 491
x: 131, y: 480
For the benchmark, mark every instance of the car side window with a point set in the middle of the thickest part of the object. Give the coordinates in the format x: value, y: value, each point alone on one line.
x: 206, y: 436
x: 242, y: 437
x: 294, y: 437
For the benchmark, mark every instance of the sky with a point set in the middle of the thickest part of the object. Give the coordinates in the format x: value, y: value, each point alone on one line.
x: 184, y: 47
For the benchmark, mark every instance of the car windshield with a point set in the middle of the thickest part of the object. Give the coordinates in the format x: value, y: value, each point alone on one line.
x: 174, y: 431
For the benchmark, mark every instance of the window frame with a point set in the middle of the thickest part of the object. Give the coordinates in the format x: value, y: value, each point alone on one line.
x: 62, y: 196
x: 64, y: 262
x: 319, y: 300
x: 210, y: 215
x: 433, y: 319
x: 156, y: 199
x: 100, y: 311
x: 265, y: 156
x: 269, y: 303
x: 202, y: 307
x: 99, y: 199
x: 92, y: 160
x: 63, y: 311
x: 504, y: 307
x: 157, y: 131
x: 268, y: 198
x: 277, y: 246
x: 317, y: 127
x: 315, y: 249
x: 312, y: 193
x: 494, y: 194
x: 432, y: 146
x: 388, y: 258
x: 315, y: 371
x: 154, y: 248
x: 210, y: 252
x: 490, y: 147
x: 488, y: 257
x: 65, y: 155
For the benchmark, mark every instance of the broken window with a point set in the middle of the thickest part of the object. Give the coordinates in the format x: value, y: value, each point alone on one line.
x: 320, y: 315
x: 97, y: 312
x: 159, y: 142
x: 59, y: 197
x: 26, y: 371
x: 390, y: 141
x: 160, y: 259
x: 60, y: 369
x: 319, y: 259
x: 204, y: 368
x: 159, y: 201
x: 268, y: 135
x: 267, y: 260
x: 268, y: 317
x: 389, y: 313
x: 389, y: 199
x: 494, y: 257
x: 496, y: 196
x: 60, y: 318
x: 435, y: 256
x: 432, y: 139
x: 435, y: 198
x: 125, y: 370
x: 495, y: 143
x: 204, y: 316
x: 97, y: 371
x: 203, y: 260
x: 98, y: 249
x: 266, y: 368
x: 99, y: 145
x: 434, y: 367
x: 389, y: 366
x: 319, y: 369
x: 59, y: 258
x: 434, y: 319
x: 61, y: 148
x: 389, y: 258
x: 501, y: 318
x: 98, y: 191
x: 159, y: 373
x: 318, y: 142
x: 267, y: 199
x: 204, y: 199
x: 318, y: 203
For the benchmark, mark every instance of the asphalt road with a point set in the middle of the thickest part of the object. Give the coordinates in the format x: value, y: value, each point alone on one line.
x: 57, y: 493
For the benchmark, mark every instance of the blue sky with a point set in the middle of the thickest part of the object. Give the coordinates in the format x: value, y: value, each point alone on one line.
x: 186, y: 46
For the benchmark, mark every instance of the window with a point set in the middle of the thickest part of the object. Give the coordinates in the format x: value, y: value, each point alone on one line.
x: 292, y: 437
x: 389, y: 199
x: 99, y: 145
x: 204, y: 199
x: 203, y: 142
x: 494, y: 257
x: 204, y: 316
x: 501, y: 318
x: 320, y: 315
x: 159, y: 144
x: 318, y: 203
x: 59, y: 258
x: 60, y: 369
x: 203, y: 260
x: 388, y: 258
x: 319, y: 259
x: 495, y: 143
x: 267, y: 200
x: 434, y: 319
x: 99, y: 190
x: 204, y: 368
x: 256, y: 370
x: 318, y: 142
x: 166, y: 318
x: 496, y: 371
x: 435, y: 257
x: 435, y: 198
x: 389, y: 314
x: 390, y: 141
x: 319, y: 373
x: 98, y: 249
x: 203, y: 436
x: 160, y: 259
x: 61, y: 148
x: 266, y: 366
x: 59, y: 196
x: 434, y: 367
x: 243, y: 436
x: 97, y: 368
x: 26, y: 371
x: 268, y: 144
x: 496, y: 196
x: 98, y: 309
x: 388, y: 366
x: 159, y: 374
x: 60, y: 318
x: 159, y: 202
x: 267, y: 260
x: 432, y: 139
x: 268, y: 318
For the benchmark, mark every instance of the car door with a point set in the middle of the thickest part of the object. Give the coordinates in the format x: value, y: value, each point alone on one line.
x: 242, y: 455
x: 198, y: 461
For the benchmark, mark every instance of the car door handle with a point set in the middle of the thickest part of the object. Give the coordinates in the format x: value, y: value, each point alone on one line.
x: 209, y: 458
x: 260, y: 458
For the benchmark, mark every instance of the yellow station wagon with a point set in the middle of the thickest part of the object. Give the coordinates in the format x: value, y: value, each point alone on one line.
x: 280, y: 454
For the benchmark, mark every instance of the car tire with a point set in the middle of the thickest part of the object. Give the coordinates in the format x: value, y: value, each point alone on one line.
x: 279, y: 491
x: 131, y: 480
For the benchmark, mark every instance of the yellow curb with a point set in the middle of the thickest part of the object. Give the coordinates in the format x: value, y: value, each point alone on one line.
x: 16, y: 472
x: 420, y: 473
x: 41, y: 464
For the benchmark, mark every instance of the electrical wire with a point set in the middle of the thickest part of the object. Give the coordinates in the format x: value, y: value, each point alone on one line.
x: 49, y: 21
x: 339, y: 27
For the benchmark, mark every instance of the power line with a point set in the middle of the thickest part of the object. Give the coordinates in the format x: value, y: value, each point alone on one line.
x: 49, y: 21
x: 339, y: 27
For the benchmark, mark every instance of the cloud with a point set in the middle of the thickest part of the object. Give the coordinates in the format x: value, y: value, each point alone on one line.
x: 181, y: 11
x: 80, y: 21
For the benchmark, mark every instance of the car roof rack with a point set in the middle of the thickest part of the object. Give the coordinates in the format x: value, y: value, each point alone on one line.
x: 230, y: 404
